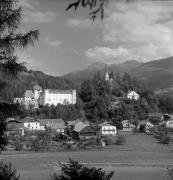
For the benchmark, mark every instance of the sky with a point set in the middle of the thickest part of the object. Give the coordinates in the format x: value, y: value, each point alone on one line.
x: 137, y: 30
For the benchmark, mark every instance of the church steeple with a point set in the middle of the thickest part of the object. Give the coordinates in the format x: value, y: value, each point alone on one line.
x: 106, y: 74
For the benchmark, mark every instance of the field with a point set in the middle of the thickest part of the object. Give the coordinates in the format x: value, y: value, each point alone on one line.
x: 141, y: 157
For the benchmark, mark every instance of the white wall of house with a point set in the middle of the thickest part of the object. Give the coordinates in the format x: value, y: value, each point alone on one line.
x: 169, y: 124
x: 54, y: 97
x: 61, y: 131
x: 35, y: 125
x: 128, y: 126
x: 108, y: 130
x: 133, y: 95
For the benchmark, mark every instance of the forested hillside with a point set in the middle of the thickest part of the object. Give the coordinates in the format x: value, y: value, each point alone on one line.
x: 107, y: 100
x: 26, y: 80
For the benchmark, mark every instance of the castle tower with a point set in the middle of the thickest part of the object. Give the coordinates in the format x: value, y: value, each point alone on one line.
x: 37, y: 91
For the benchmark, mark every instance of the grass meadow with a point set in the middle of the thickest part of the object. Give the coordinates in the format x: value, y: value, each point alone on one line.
x: 141, y: 157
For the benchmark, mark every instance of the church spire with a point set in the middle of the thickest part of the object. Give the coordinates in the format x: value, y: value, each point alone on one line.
x: 106, y: 74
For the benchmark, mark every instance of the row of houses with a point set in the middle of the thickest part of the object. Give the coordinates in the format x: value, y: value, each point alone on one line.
x: 39, y: 97
x: 83, y: 129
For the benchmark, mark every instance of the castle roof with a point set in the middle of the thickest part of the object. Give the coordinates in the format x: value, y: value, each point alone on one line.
x: 29, y: 93
x: 57, y: 91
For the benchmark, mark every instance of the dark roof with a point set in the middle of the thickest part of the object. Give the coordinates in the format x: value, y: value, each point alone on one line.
x: 57, y: 91
x: 105, y: 124
x: 159, y: 115
x: 52, y: 122
x: 80, y: 126
x: 73, y: 123
x: 27, y: 119
x: 37, y: 87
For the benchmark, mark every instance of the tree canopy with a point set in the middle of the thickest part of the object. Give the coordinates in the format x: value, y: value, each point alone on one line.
x: 10, y: 39
x: 95, y: 7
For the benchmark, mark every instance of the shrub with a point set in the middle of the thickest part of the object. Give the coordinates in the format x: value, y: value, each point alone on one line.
x: 110, y: 140
x: 164, y: 139
x: 170, y: 171
x: 75, y: 171
x: 7, y: 172
x: 120, y: 140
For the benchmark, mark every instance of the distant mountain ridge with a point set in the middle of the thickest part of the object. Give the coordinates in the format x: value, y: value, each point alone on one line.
x: 156, y: 74
x: 79, y: 76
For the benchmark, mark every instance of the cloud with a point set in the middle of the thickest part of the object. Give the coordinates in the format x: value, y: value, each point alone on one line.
x: 29, y: 4
x: 38, y: 16
x: 106, y: 54
x: 54, y: 43
x: 32, y: 14
x: 79, y: 23
x: 31, y: 63
x: 141, y: 30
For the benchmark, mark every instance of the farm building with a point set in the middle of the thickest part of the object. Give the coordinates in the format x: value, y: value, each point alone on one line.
x: 84, y: 131
x: 155, y: 118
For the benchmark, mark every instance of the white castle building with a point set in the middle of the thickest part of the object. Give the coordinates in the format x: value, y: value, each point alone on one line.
x: 48, y: 96
x: 30, y: 98
x: 54, y: 97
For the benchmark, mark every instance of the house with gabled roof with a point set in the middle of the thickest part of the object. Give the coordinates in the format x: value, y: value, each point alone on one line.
x: 133, y: 95
x: 127, y: 125
x: 155, y: 118
x: 55, y: 124
x: 85, y: 131
x: 33, y: 124
x: 107, y: 128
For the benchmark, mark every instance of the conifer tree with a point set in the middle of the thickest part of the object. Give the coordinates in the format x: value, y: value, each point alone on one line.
x: 11, y: 38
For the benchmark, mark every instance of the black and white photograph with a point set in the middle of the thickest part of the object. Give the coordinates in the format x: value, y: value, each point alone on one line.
x: 86, y: 90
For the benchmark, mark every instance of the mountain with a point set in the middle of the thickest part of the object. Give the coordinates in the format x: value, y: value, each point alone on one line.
x: 79, y: 76
x: 26, y: 80
x: 157, y: 74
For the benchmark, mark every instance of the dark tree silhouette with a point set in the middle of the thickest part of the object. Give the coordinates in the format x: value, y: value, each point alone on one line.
x: 76, y: 171
x: 11, y: 38
x: 95, y: 7
x: 7, y: 172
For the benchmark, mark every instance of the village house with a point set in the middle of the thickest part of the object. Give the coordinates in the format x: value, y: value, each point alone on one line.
x: 15, y: 127
x: 55, y: 124
x: 169, y: 123
x: 127, y: 126
x: 32, y: 124
x: 167, y: 117
x: 107, y: 129
x: 155, y: 118
x: 55, y: 97
x: 133, y: 95
x: 84, y: 131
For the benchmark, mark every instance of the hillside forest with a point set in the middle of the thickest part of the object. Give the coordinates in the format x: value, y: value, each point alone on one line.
x: 97, y: 99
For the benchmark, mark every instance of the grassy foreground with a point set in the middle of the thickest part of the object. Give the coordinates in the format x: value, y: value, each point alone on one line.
x: 141, y: 156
